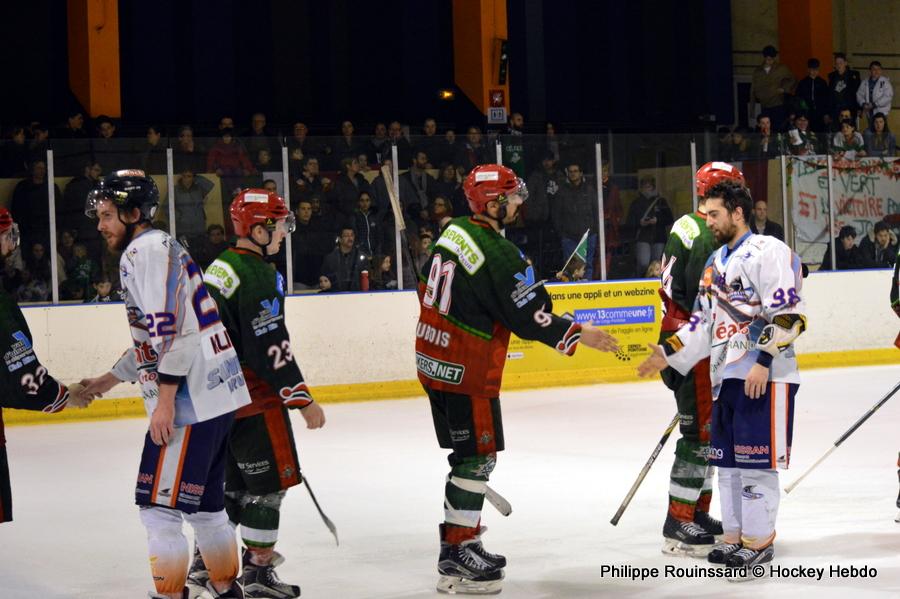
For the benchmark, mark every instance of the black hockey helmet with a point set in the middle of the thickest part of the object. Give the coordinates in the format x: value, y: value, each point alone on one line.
x: 126, y: 189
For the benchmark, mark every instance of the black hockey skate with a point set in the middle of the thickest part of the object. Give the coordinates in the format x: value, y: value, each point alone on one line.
x: 720, y: 552
x: 748, y: 558
x: 708, y: 523
x: 234, y: 592
x: 685, y: 538
x: 464, y: 571
x: 477, y: 546
x: 197, y: 577
x: 261, y: 582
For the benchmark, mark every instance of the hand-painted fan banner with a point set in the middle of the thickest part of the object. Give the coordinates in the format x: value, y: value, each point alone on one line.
x: 865, y: 191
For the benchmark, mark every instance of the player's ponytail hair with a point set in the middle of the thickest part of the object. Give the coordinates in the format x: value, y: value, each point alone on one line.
x: 733, y: 195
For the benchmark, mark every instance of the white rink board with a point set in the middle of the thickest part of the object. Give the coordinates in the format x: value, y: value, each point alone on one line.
x: 370, y: 337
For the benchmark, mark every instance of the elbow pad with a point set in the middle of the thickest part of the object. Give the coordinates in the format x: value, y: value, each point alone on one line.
x: 780, y: 333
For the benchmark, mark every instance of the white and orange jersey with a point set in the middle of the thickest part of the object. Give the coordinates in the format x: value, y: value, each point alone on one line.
x: 742, y: 290
x: 177, y: 332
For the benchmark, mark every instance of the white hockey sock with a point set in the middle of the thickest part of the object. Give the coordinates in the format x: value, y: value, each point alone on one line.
x: 168, y: 547
x: 215, y: 538
x: 730, y: 500
x: 760, y: 497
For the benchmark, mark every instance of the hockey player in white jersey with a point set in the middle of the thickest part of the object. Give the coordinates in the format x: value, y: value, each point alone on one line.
x: 191, y: 381
x: 748, y: 312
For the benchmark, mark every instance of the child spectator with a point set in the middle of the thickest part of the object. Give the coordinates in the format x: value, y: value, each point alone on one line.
x: 383, y: 275
x: 848, y: 144
x: 83, y: 269
x: 880, y: 142
x: 103, y: 291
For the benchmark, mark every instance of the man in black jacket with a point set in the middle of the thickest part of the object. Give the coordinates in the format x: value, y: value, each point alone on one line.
x: 761, y: 225
x: 813, y: 90
x: 574, y: 210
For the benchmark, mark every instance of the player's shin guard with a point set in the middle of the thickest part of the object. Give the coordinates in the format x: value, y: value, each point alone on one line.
x: 168, y: 548
x: 464, y: 497
x: 687, y: 477
x: 730, y: 499
x: 759, y: 507
x: 215, y: 538
x: 260, y: 516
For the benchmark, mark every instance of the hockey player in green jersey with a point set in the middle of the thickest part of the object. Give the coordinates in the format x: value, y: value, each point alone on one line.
x: 689, y: 528
x: 895, y: 304
x: 262, y: 459
x: 476, y: 290
x: 24, y: 383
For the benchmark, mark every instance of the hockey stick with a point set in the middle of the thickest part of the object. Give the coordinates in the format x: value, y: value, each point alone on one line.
x: 644, y: 471
x: 843, y: 437
x: 325, y: 518
x: 397, y: 209
x: 498, y: 501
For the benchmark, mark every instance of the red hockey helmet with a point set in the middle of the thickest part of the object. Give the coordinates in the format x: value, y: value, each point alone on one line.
x: 712, y: 173
x: 492, y: 182
x: 7, y: 224
x: 259, y: 207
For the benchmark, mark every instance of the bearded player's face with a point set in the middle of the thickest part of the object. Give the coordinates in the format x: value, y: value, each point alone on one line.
x: 110, y: 226
x: 719, y: 220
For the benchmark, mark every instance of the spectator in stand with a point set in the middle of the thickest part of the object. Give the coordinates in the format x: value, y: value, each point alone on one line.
x: 612, y: 215
x: 82, y: 269
x: 408, y: 197
x: 379, y: 147
x: 424, y: 185
x: 209, y: 248
x: 848, y: 256
x: 187, y: 153
x: 542, y: 187
x: 739, y: 149
x: 422, y: 249
x: 764, y: 143
x: 191, y: 190
x: 259, y: 137
x: 844, y: 115
x: 382, y: 272
x: 263, y: 164
x: 103, y: 291
x: 310, y: 243
x: 439, y: 214
x: 814, y: 92
x: 761, y: 225
x: 65, y: 248
x: 475, y: 152
x: 271, y: 186
x: 32, y: 288
x: 40, y: 142
x: 70, y: 291
x: 344, y: 264
x: 31, y: 205
x: 552, y: 140
x: 153, y: 159
x: 113, y: 153
x: 226, y: 122
x: 515, y: 124
x: 803, y: 141
x: 449, y: 186
x: 451, y: 149
x: 843, y: 83
x: 654, y: 270
x: 366, y: 227
x: 650, y: 218
x: 14, y: 159
x: 432, y: 144
x: 574, y: 211
x: 347, y: 145
x: 404, y: 149
x: 310, y: 181
x: 876, y: 93
x: 300, y: 141
x: 344, y: 196
x: 230, y: 162
x: 771, y: 80
x: 36, y: 271
x: 879, y: 248
x: 848, y: 144
x: 880, y: 142
x: 74, y: 127
x: 71, y: 145
x: 70, y: 209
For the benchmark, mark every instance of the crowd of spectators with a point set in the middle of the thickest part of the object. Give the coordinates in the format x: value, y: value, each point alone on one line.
x: 345, y: 223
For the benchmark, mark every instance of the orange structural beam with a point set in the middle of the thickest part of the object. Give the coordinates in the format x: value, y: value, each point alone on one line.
x: 94, y: 55
x: 804, y: 32
x: 478, y: 25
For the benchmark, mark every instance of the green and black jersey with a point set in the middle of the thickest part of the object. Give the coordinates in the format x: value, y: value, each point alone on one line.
x: 250, y: 296
x: 688, y: 248
x: 24, y: 383
x: 475, y: 290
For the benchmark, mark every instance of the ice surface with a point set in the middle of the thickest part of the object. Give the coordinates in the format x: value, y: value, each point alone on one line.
x: 572, y: 453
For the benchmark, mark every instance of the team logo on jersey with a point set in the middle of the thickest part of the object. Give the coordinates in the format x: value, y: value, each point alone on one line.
x: 19, y: 354
x: 273, y: 306
x: 526, y: 287
x: 268, y: 317
x: 299, y: 391
x: 221, y: 275
x: 460, y: 243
